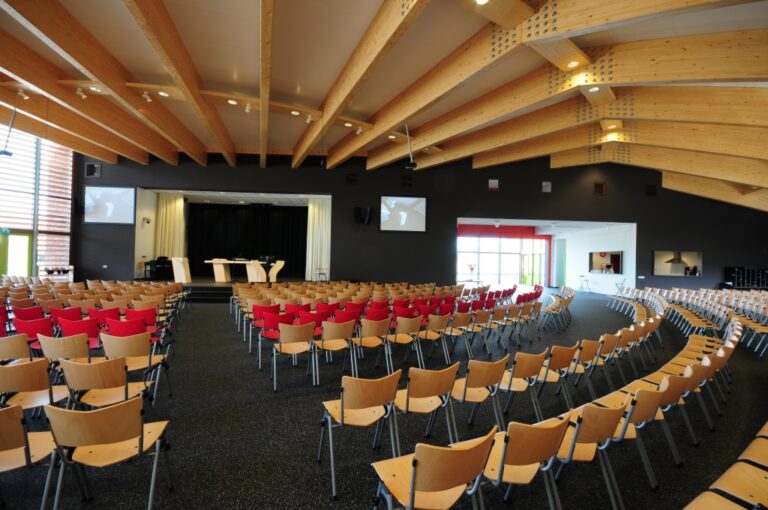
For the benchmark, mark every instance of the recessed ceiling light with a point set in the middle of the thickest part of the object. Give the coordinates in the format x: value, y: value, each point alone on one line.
x: 612, y: 126
x: 391, y: 137
x: 163, y: 93
x: 481, y: 2
x: 594, y: 89
x: 242, y: 201
x: 572, y: 64
x: 347, y: 124
x: 93, y: 88
x: 232, y: 102
x: 295, y: 113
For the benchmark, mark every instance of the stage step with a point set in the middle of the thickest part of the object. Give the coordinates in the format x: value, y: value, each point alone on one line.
x: 209, y: 294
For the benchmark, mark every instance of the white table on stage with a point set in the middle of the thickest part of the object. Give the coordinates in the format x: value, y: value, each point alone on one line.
x: 221, y: 272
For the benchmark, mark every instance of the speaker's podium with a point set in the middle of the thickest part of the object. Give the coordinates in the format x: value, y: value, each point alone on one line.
x: 181, y: 270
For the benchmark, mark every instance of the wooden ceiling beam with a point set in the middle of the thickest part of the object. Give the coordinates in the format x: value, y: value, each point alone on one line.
x: 48, y: 132
x: 52, y: 23
x: 578, y: 157
x: 489, y: 45
x: 507, y: 13
x: 714, y: 189
x: 22, y: 64
x: 559, y: 19
x: 729, y: 56
x: 156, y: 24
x: 390, y: 23
x: 53, y: 114
x: 265, y: 75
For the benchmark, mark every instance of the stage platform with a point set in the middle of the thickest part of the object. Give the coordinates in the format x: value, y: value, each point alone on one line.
x: 205, y: 290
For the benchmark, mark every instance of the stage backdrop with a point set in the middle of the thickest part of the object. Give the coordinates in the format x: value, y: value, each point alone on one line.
x: 246, y: 231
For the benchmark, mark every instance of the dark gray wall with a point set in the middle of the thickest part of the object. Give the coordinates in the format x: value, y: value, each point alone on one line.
x: 727, y: 234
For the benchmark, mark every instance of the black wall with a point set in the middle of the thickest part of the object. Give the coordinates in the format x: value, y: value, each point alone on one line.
x: 246, y: 231
x: 727, y: 234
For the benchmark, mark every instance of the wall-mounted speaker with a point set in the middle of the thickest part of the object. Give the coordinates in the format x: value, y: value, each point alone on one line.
x: 601, y: 188
x: 363, y: 215
x: 93, y: 170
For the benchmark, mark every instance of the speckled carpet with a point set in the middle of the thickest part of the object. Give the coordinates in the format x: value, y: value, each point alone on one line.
x: 236, y: 444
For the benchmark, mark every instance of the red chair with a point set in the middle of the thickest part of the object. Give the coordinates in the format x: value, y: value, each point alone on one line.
x: 149, y: 316
x: 435, y: 301
x: 101, y: 316
x: 401, y: 303
x: 450, y: 299
x: 295, y: 309
x: 32, y: 329
x: 446, y: 308
x: 483, y: 296
x: 408, y: 313
x: 325, y: 307
x: 477, y: 304
x: 127, y: 327
x: 3, y: 320
x: 28, y: 314
x: 257, y: 320
x: 342, y: 316
x: 271, y: 329
x: 490, y: 303
x: 463, y: 307
x: 354, y: 307
x: 379, y: 305
x: 70, y: 314
x: 317, y: 318
x: 377, y: 314
x: 419, y: 301
x: 88, y: 326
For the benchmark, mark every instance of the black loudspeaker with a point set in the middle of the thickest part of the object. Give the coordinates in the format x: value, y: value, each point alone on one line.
x: 93, y: 170
x: 363, y: 215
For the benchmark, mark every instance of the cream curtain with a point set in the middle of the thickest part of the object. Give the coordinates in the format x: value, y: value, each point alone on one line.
x: 318, y: 237
x: 169, y: 235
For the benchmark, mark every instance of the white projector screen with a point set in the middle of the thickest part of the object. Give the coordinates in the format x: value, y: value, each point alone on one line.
x: 109, y: 205
x: 406, y: 214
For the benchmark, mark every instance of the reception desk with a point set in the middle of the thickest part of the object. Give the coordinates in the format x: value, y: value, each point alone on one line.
x: 254, y: 269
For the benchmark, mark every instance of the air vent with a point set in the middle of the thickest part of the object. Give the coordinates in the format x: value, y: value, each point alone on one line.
x: 93, y: 170
x: 601, y: 188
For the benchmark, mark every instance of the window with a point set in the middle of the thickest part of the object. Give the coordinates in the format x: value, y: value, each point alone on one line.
x: 500, y: 261
x: 35, y: 203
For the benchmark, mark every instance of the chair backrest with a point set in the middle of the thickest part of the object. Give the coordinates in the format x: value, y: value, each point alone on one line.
x: 72, y: 314
x: 126, y: 327
x: 377, y: 314
x: 346, y: 316
x: 610, y: 343
x: 48, y: 304
x: 437, y: 322
x: 28, y: 313
x: 14, y: 347
x: 116, y: 423
x: 83, y: 305
x: 644, y: 405
x: 24, y: 302
x: 32, y: 376
x: 66, y: 347
x: 481, y: 374
x: 408, y: 326
x: 482, y: 316
x: 88, y: 376
x: 101, y: 316
x: 527, y: 364
x: 14, y: 432
x: 34, y: 327
x: 88, y: 326
x: 359, y: 393
x: 439, y: 468
x: 529, y: 444
x: 461, y: 319
x: 431, y: 383
x: 589, y: 350
x: 139, y: 305
x: 338, y: 330
x: 149, y: 316
x: 290, y: 334
x: 126, y: 346
x: 370, y: 327
x: 598, y: 423
x: 560, y: 357
x: 272, y: 321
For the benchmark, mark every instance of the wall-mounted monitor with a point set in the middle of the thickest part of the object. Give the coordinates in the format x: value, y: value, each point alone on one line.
x: 404, y: 214
x: 110, y: 205
x: 677, y: 263
x: 607, y: 262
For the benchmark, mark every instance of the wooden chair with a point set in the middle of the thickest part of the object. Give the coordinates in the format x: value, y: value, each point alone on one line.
x: 19, y: 448
x: 435, y: 477
x: 335, y: 337
x: 587, y: 360
x: 293, y: 340
x: 73, y: 348
x: 525, y: 450
x: 591, y: 435
x: 137, y: 351
x: 363, y: 402
x: 406, y: 331
x: 459, y: 328
x: 371, y: 336
x: 481, y: 382
x: 15, y: 348
x: 527, y: 372
x: 426, y: 392
x: 30, y: 385
x: 559, y: 365
x: 434, y: 333
x: 102, y: 438
x: 100, y: 384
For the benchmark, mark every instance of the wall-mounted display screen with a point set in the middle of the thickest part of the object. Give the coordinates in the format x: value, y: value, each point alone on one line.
x: 608, y: 262
x: 677, y: 263
x: 110, y: 205
x: 406, y: 214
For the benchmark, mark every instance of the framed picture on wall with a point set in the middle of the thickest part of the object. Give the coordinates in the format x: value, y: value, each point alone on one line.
x: 677, y: 263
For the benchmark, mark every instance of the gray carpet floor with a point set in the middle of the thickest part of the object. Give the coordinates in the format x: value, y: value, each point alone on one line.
x: 236, y: 444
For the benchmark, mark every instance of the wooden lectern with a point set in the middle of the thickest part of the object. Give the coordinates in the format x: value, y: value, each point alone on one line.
x: 181, y: 270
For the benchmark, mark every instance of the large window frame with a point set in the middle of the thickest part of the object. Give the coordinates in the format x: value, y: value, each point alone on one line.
x: 502, y: 261
x: 36, y: 187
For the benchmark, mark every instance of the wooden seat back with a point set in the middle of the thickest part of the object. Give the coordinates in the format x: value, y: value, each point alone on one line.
x: 32, y: 376
x: 15, y: 347
x: 529, y: 444
x: 290, y: 334
x: 359, y: 393
x: 112, y: 424
x: 374, y: 328
x: 338, y: 330
x: 126, y: 346
x: 482, y: 374
x: 90, y: 376
x: 12, y: 424
x: 424, y: 383
x: 561, y: 357
x: 598, y: 423
x: 527, y: 364
x: 408, y: 326
x: 66, y: 347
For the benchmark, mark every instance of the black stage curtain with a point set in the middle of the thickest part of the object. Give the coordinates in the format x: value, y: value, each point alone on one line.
x: 249, y: 232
